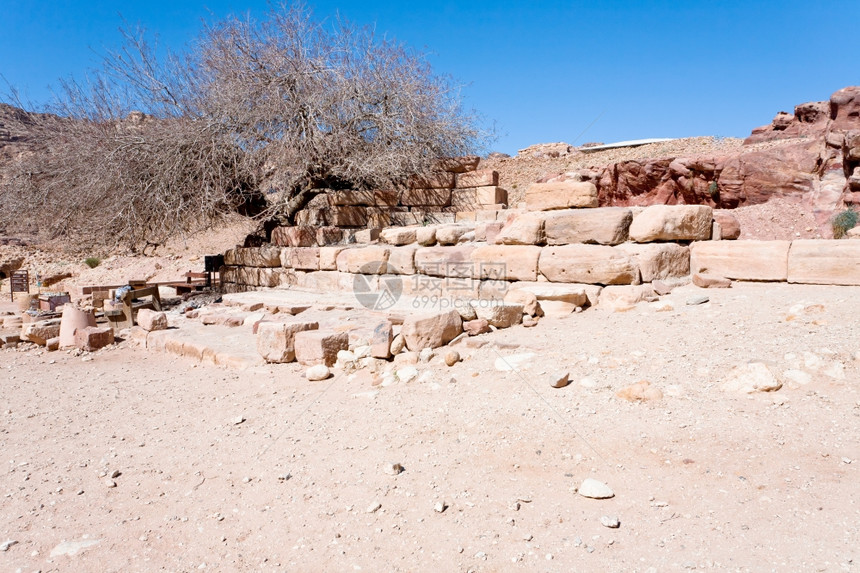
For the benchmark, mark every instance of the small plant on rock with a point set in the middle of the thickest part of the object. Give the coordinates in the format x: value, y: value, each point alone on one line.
x: 844, y: 222
x: 92, y: 262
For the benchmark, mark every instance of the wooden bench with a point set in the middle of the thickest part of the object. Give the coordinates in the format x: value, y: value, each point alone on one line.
x: 195, y: 282
x: 123, y: 314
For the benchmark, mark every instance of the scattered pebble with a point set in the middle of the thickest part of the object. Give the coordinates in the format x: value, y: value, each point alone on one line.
x: 392, y: 468
x: 610, y: 521
x: 238, y: 420
x: 318, y: 372
x: 373, y: 508
x: 440, y: 507
x: 696, y: 300
x: 7, y: 544
x: 109, y: 482
x: 452, y: 357
x: 595, y: 489
x: 559, y: 380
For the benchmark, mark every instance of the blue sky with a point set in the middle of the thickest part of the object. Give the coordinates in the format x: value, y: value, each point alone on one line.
x: 542, y: 71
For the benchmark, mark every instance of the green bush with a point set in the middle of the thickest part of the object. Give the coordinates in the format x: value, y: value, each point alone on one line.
x: 92, y: 262
x: 843, y: 222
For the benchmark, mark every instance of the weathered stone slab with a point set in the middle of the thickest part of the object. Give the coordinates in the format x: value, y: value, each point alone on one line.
x: 268, y: 256
x: 368, y: 260
x: 672, y: 223
x: 319, y: 347
x: 561, y: 195
x: 824, y: 262
x: 431, y: 330
x: 453, y: 261
x: 459, y: 164
x: 657, y: 261
x: 91, y: 338
x: 475, y: 197
x: 305, y: 258
x: 401, y: 260
x: 347, y: 216
x: 590, y: 264
x: 435, y: 180
x: 499, y: 314
x: 301, y: 236
x: 41, y: 331
x: 730, y: 227
x: 478, y: 178
x: 352, y: 198
x: 150, y: 320
x: 276, y: 340
x: 451, y: 234
x: 741, y: 260
x: 329, y: 236
x: 425, y: 197
x: 525, y: 229
x: 506, y: 262
x: 328, y: 257
x: 603, y: 225
x: 398, y: 235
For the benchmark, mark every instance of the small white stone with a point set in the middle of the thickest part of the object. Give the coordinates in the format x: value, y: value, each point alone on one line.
x: 610, y: 521
x: 452, y: 357
x: 7, y: 544
x: 361, y: 352
x: 440, y: 507
x: 318, y: 372
x: 373, y: 508
x: 109, y: 482
x: 407, y: 374
x: 238, y: 420
x: 426, y: 355
x: 595, y: 489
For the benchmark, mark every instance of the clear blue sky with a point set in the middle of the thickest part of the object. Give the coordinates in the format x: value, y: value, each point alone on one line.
x: 543, y: 71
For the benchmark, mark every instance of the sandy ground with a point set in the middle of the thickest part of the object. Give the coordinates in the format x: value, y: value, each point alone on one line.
x: 260, y: 469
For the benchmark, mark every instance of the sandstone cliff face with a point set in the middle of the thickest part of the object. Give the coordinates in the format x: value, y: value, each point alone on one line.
x: 813, y: 153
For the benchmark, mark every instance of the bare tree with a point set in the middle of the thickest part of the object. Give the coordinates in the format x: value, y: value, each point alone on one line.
x: 258, y: 116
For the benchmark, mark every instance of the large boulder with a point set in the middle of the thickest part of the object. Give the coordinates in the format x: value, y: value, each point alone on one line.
x: 276, y: 340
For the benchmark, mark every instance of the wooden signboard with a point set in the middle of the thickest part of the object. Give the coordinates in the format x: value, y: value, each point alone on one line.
x: 20, y: 282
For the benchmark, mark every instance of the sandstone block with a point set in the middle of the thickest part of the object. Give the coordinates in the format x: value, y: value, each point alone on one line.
x: 672, y: 223
x: 329, y: 236
x: 730, y: 227
x: 560, y: 299
x: 825, y: 262
x: 351, y: 198
x: 41, y: 331
x: 561, y: 195
x: 398, y: 235
x: 604, y: 226
x: 369, y: 260
x: 386, y: 197
x: 527, y: 299
x: 499, y: 314
x: 710, y: 281
x: 478, y: 178
x: 425, y: 197
x: 366, y: 236
x: 590, y: 264
x: 305, y: 258
x: 267, y: 256
x: 150, y: 320
x: 475, y: 197
x: 73, y: 318
x: 426, y: 236
x: 525, y: 229
x: 453, y: 261
x: 431, y: 330
x: 378, y: 217
x: 451, y: 234
x: 459, y: 164
x: 401, y: 260
x: 346, y: 217
x: 619, y: 297
x: 741, y: 260
x: 659, y: 261
x: 91, y: 338
x: 406, y: 218
x: 506, y: 262
x: 328, y: 257
x: 381, y: 339
x: 301, y: 236
x: 434, y: 180
x: 276, y: 340
x: 476, y: 327
x: 319, y: 346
